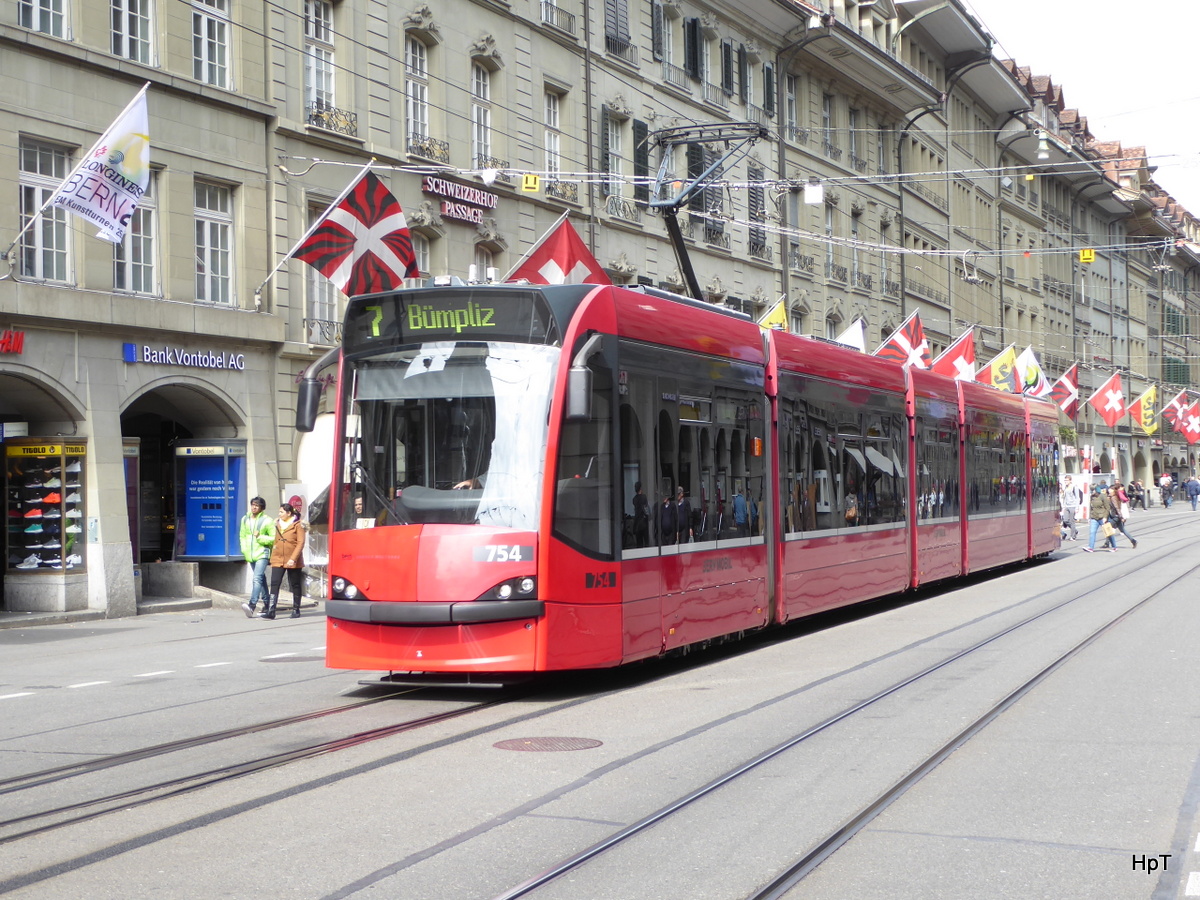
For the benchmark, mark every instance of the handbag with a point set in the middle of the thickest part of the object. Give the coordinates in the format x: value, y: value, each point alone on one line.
x: 1109, y: 529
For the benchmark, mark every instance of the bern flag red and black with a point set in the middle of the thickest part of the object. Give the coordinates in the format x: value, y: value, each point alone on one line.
x: 362, y: 242
x: 1066, y: 392
x: 907, y: 345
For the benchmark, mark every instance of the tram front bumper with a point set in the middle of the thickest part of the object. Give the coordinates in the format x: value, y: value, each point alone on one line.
x: 469, y: 612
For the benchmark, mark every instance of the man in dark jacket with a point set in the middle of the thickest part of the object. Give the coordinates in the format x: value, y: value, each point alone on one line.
x: 683, y: 513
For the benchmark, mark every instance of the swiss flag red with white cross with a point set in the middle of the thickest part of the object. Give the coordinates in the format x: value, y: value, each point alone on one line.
x: 1109, y: 400
x: 560, y: 257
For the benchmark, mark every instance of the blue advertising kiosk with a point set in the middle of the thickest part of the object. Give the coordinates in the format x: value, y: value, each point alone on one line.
x: 210, y: 481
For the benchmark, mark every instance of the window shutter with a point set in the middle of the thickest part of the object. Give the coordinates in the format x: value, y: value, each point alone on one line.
x: 769, y: 90
x: 656, y: 30
x: 695, y: 165
x: 727, y: 67
x: 691, y: 47
x: 641, y: 161
x: 743, y: 74
x: 605, y: 168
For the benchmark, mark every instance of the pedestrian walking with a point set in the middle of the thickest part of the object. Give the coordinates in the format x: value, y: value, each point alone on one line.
x: 1192, y: 488
x: 1166, y: 486
x: 256, y: 536
x: 287, y: 556
x: 1120, y: 513
x: 1099, y: 508
x: 1137, y: 496
x: 1070, y: 499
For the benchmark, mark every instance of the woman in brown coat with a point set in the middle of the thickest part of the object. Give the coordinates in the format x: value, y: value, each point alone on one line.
x: 287, y: 555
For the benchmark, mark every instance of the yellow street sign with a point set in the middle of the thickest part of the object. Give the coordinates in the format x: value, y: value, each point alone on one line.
x: 1087, y: 255
x: 531, y: 183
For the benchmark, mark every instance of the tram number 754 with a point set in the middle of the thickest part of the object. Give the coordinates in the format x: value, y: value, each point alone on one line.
x: 504, y: 553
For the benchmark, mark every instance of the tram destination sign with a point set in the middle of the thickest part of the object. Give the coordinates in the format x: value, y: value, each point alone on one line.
x: 474, y: 314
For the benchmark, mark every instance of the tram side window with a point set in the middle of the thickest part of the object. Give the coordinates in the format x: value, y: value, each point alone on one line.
x: 937, y: 462
x: 584, y: 503
x: 691, y: 422
x: 1045, y: 482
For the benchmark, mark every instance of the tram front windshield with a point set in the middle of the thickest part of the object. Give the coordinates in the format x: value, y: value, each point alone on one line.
x: 446, y: 433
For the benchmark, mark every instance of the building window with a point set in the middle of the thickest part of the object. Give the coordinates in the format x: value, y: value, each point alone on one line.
x: 131, y: 31
x: 881, y: 149
x: 827, y: 120
x: 210, y: 42
x: 46, y: 16
x: 214, y: 243
x: 416, y: 108
x: 830, y: 256
x: 134, y: 268
x: 791, y: 105
x: 421, y: 252
x: 484, y: 263
x: 481, y: 115
x: 553, y: 143
x: 612, y: 153
x: 318, y: 53
x: 45, y: 246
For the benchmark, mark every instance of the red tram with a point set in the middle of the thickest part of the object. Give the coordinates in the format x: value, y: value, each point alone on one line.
x: 496, y: 433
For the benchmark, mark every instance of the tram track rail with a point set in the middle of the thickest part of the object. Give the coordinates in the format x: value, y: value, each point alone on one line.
x: 782, y: 882
x: 41, y: 821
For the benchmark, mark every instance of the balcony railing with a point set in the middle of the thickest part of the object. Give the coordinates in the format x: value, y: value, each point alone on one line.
x: 759, y: 248
x: 924, y: 290
x: 675, y: 76
x: 797, y: 135
x: 832, y: 150
x: 327, y: 332
x: 559, y: 18
x: 936, y: 199
x: 836, y: 272
x: 429, y: 148
x: 483, y: 161
x: 802, y: 262
x: 563, y: 190
x: 623, y: 208
x: 621, y: 48
x: 858, y: 163
x: 891, y: 288
x: 341, y: 121
x: 714, y: 94
x: 715, y: 234
x: 863, y: 281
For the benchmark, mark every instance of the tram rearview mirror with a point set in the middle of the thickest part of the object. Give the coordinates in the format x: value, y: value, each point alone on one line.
x: 579, y: 394
x: 308, y: 399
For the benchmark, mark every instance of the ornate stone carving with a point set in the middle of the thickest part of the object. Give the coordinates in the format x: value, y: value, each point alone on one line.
x: 425, y: 216
x: 420, y: 21
x: 622, y: 266
x: 483, y: 50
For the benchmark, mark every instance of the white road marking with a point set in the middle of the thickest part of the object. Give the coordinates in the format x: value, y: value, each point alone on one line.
x: 1197, y: 847
x: 88, y: 684
x: 210, y: 665
x: 1193, y: 885
x: 22, y: 694
x: 317, y: 648
x: 152, y: 674
x: 278, y: 656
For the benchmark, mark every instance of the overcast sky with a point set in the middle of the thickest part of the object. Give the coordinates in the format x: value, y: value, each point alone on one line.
x: 1129, y: 67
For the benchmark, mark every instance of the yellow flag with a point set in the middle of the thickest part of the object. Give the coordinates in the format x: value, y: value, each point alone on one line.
x: 776, y: 317
x: 1143, y: 410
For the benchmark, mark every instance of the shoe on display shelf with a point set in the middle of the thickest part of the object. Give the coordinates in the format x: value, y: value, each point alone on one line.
x: 53, y: 497
x: 53, y: 483
x: 35, y: 528
x: 74, y: 514
x: 33, y: 514
x: 73, y: 498
x: 52, y: 514
x: 30, y: 562
x: 52, y: 545
x: 73, y: 529
x: 74, y: 467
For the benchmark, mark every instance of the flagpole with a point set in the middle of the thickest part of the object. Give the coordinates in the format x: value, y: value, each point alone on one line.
x: 536, y: 244
x: 37, y: 215
x: 311, y: 228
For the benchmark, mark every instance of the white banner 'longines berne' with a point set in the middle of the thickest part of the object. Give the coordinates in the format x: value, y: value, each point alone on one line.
x: 108, y: 183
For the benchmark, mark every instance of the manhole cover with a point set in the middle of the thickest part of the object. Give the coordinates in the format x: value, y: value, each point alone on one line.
x: 547, y: 743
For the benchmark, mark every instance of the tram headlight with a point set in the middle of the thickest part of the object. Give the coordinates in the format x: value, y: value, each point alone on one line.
x: 344, y: 589
x: 525, y: 588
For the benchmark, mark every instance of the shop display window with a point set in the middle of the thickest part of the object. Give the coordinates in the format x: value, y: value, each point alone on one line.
x: 44, y: 491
